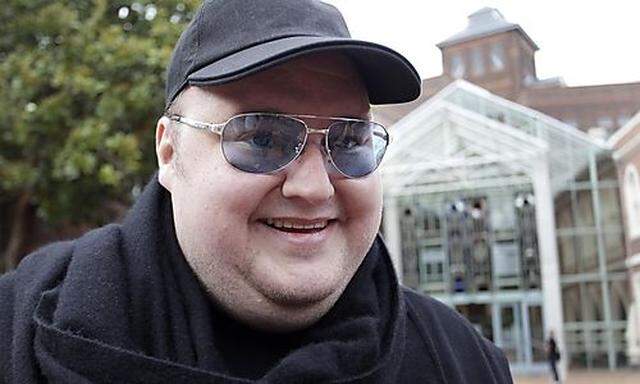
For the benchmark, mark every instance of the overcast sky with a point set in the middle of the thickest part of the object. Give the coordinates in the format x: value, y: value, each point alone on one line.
x: 585, y: 42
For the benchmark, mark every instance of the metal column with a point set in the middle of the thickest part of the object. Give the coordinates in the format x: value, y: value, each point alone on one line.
x: 602, y: 261
x: 496, y: 324
x: 526, y: 332
x: 549, y: 262
x: 393, y: 237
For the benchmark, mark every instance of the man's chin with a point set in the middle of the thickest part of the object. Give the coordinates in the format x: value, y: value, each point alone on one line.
x: 302, y: 295
x: 289, y: 310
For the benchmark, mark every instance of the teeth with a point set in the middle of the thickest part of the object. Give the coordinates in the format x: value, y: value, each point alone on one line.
x: 283, y: 223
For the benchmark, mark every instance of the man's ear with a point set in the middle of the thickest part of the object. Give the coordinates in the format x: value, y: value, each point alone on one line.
x: 165, y: 153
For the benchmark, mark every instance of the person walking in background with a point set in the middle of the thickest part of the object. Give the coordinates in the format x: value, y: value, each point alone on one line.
x: 553, y: 355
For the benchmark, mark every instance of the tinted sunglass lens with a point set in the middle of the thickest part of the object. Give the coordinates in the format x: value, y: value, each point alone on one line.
x: 356, y: 147
x: 262, y: 143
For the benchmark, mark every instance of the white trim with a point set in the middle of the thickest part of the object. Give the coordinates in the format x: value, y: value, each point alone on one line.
x: 559, y: 126
x: 422, y: 143
x: 620, y: 133
x: 392, y: 234
x: 436, y: 113
x: 440, y: 164
x: 552, y: 314
x: 631, y: 187
x: 633, y: 261
x: 461, y: 185
x: 627, y: 147
x: 410, y: 121
x: 503, y: 128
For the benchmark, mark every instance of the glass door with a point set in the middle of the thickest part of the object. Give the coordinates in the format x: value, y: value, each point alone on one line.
x: 519, y: 332
x: 510, y: 332
x: 538, y: 353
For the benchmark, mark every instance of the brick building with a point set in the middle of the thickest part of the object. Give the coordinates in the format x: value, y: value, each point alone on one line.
x: 499, y: 56
x: 448, y: 192
x: 626, y: 153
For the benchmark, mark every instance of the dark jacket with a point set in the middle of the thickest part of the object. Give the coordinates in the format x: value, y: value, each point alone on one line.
x: 121, y: 305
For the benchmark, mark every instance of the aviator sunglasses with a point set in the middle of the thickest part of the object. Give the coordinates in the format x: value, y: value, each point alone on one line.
x: 265, y: 143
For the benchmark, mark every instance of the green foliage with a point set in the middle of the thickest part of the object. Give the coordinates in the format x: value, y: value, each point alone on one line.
x: 81, y: 87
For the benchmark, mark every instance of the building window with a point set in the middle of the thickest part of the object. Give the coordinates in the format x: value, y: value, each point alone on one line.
x: 431, y: 265
x: 477, y: 61
x: 457, y: 66
x: 632, y: 200
x: 505, y: 259
x: 497, y: 58
x: 527, y: 78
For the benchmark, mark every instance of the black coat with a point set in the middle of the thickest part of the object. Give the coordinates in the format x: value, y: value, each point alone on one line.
x: 121, y: 305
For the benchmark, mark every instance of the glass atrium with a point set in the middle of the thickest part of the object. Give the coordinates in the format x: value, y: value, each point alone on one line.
x: 513, y: 218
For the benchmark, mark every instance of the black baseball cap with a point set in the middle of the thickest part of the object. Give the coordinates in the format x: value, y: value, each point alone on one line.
x: 230, y: 39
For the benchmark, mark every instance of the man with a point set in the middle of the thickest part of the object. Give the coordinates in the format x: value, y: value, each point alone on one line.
x: 553, y: 356
x: 252, y: 256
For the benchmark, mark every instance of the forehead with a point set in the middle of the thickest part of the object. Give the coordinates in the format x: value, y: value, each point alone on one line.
x: 325, y: 84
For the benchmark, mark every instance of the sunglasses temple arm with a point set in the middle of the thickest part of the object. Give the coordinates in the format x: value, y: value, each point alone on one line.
x: 217, y: 128
x: 214, y: 128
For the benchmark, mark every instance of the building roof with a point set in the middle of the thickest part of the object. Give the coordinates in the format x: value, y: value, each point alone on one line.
x: 389, y: 114
x: 485, y: 22
x: 465, y: 136
x: 616, y: 141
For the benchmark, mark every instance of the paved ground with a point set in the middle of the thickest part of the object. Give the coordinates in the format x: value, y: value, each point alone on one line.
x: 592, y: 377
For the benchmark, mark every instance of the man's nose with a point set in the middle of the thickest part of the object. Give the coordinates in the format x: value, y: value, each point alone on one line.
x: 307, y: 178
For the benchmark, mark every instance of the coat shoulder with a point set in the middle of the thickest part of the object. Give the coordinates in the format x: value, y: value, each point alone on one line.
x: 22, y: 288
x: 460, y: 351
x: 20, y: 292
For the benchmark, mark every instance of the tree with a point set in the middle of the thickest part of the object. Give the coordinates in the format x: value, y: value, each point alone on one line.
x: 81, y: 86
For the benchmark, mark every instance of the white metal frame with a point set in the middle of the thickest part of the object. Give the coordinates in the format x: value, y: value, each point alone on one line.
x: 631, y: 185
x: 445, y: 145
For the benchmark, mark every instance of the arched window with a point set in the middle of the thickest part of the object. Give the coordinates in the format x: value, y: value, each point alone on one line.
x: 457, y: 66
x: 497, y: 57
x: 632, y: 200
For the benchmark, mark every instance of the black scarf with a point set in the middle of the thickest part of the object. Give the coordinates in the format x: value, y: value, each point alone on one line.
x: 127, y: 308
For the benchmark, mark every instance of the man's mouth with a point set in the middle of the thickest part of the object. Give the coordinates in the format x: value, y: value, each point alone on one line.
x: 297, y: 225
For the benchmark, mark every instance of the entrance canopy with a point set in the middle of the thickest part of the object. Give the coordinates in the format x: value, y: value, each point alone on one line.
x: 466, y: 141
x: 465, y: 137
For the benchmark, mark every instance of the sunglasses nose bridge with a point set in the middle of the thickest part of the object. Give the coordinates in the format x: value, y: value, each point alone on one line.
x: 307, y: 145
x: 311, y: 132
x: 324, y: 147
x: 317, y: 131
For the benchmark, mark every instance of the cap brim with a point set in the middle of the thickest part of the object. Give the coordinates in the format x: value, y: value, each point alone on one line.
x: 388, y: 76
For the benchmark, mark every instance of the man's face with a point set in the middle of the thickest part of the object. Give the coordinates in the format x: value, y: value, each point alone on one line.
x: 270, y: 278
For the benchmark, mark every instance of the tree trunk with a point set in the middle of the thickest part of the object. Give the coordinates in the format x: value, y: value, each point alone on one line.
x: 17, y: 232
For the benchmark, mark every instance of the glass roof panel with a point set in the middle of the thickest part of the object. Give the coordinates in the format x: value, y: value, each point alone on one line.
x: 464, y: 122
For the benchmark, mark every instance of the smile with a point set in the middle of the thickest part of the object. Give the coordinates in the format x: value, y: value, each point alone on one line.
x: 297, y: 225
